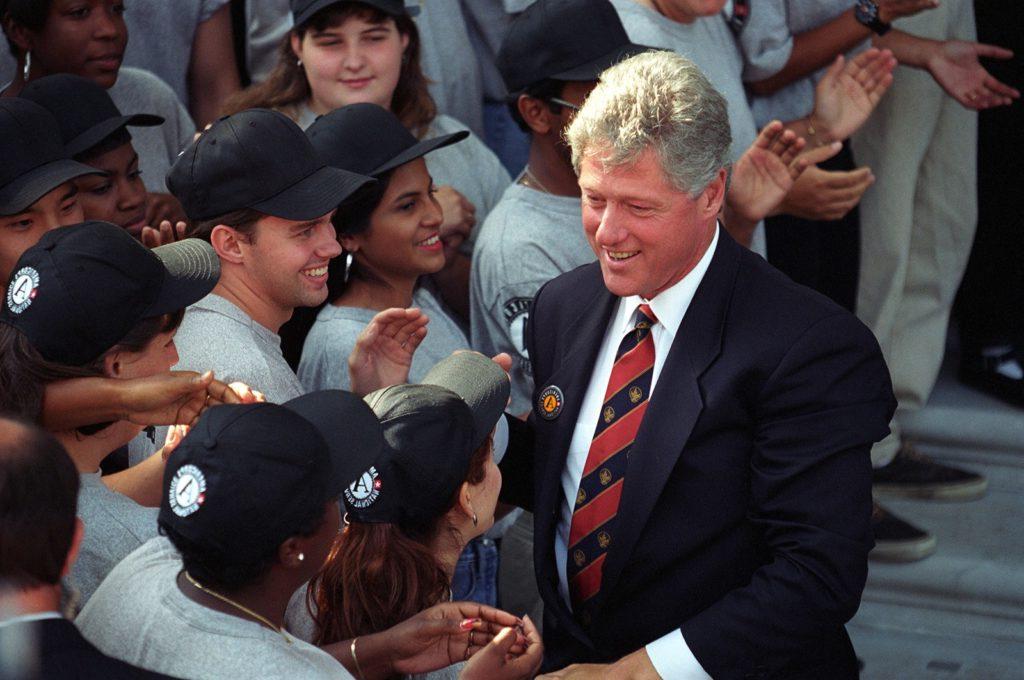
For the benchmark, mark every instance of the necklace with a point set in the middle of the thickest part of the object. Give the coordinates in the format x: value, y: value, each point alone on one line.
x: 242, y: 608
x: 528, y: 175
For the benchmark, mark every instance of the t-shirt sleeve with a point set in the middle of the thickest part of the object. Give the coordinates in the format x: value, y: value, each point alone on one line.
x: 208, y: 8
x: 324, y: 362
x: 766, y: 41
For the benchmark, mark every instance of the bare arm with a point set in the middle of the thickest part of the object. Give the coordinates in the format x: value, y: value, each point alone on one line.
x: 212, y: 72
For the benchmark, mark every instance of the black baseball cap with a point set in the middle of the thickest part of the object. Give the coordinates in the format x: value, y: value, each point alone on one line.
x: 84, y: 111
x: 246, y: 475
x: 369, y: 139
x: 82, y: 288
x: 563, y: 40
x: 258, y: 159
x: 302, y: 10
x: 430, y: 431
x: 34, y: 160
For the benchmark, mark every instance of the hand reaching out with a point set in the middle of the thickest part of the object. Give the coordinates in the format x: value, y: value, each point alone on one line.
x: 849, y: 91
x: 954, y: 65
x: 826, y: 194
x: 160, y: 207
x: 383, y: 352
x: 164, y: 234
x: 497, y: 660
x: 172, y: 398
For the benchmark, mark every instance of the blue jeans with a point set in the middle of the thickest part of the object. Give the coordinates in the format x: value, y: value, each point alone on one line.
x: 476, y: 573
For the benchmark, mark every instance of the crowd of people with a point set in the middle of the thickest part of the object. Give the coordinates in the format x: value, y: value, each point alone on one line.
x: 482, y: 338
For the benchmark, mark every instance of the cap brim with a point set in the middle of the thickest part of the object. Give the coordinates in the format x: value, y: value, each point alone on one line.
x: 480, y: 382
x: 317, y: 6
x: 421, y: 149
x: 592, y: 69
x: 97, y: 133
x: 350, y: 428
x: 315, y: 195
x: 193, y: 269
x: 30, y: 187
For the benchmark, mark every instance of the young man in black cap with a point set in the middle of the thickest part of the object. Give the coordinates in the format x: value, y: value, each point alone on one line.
x: 256, y: 190
x: 36, y: 188
x: 96, y: 133
x: 39, y: 541
x: 209, y: 600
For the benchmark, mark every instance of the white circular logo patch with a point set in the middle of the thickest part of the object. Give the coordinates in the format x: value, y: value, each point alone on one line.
x: 22, y: 292
x: 365, y: 490
x: 188, y: 490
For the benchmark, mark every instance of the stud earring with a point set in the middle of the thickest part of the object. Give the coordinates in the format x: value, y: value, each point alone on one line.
x: 28, y: 66
x: 301, y: 556
x: 298, y: 62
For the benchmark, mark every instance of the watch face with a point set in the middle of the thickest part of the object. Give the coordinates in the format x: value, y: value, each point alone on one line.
x: 866, y: 11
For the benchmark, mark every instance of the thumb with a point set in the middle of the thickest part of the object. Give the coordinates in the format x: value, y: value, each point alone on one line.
x: 202, y: 380
x: 498, y: 648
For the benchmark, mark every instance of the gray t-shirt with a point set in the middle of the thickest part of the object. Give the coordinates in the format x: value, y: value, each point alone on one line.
x: 767, y: 42
x: 528, y: 239
x: 139, y: 615
x: 710, y: 44
x: 115, y: 525
x: 139, y: 91
x: 216, y: 335
x: 449, y: 62
x: 324, y: 363
x: 161, y: 36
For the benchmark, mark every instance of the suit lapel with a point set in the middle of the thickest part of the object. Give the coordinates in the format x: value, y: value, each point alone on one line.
x: 676, y: 403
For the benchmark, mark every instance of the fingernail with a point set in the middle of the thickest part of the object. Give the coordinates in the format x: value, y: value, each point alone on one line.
x: 467, y: 624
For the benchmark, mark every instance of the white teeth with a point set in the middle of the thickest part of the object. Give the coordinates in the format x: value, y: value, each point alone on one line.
x: 622, y: 255
x: 318, y: 271
x: 429, y: 241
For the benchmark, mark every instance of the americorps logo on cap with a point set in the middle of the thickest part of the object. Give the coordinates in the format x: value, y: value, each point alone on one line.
x: 188, y: 490
x: 22, y: 292
x: 365, y: 490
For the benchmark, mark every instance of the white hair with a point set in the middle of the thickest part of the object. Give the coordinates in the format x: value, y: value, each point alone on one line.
x: 656, y: 100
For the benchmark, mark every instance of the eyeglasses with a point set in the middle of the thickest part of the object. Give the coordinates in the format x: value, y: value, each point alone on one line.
x: 562, y: 102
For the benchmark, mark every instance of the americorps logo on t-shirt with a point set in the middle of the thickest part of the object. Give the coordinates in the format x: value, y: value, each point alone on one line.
x: 516, y: 311
x: 23, y: 290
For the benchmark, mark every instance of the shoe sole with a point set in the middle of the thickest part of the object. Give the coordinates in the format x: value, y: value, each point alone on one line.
x: 963, y: 491
x: 904, y: 551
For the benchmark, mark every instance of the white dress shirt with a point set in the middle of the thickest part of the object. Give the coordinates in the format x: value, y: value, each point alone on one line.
x: 670, y: 654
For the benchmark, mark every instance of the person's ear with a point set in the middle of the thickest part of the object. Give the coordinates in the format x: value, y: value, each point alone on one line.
x: 349, y: 242
x: 295, y: 40
x: 112, y: 365
x: 711, y: 199
x: 465, y: 503
x: 19, y: 35
x: 227, y: 242
x: 76, y: 545
x: 536, y: 113
x: 292, y: 553
x: 405, y: 45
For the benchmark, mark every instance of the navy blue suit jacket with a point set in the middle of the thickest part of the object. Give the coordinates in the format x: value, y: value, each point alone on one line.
x: 745, y: 514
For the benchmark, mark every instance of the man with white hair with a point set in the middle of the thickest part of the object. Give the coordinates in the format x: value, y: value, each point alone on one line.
x: 697, y: 453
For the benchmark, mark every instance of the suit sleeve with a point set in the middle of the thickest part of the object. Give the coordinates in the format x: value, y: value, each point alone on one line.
x: 817, y: 415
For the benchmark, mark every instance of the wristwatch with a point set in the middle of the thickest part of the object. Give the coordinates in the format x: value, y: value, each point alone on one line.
x: 866, y: 12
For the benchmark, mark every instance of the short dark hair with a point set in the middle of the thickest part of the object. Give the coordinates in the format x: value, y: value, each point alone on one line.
x: 114, y: 140
x: 543, y: 90
x: 218, y: 570
x: 242, y: 220
x: 38, y: 499
x: 31, y: 14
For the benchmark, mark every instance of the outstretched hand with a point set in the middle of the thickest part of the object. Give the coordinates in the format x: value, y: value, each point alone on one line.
x: 498, y: 661
x: 173, y: 398
x: 849, y: 91
x: 383, y: 352
x: 955, y: 66
x: 164, y: 234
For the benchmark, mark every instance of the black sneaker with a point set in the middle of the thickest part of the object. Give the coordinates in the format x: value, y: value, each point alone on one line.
x: 897, y: 540
x: 912, y: 474
x: 996, y: 371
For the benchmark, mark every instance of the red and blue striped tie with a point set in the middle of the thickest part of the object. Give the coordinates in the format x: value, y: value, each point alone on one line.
x: 597, y: 500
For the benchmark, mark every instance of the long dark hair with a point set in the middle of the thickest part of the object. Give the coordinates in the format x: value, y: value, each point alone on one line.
x: 24, y: 373
x: 377, y: 575
x: 286, y: 87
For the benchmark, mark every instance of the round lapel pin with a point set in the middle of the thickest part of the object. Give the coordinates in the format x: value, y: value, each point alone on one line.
x: 550, y: 401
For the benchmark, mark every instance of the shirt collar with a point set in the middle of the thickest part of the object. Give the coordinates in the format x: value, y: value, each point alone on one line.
x: 669, y: 305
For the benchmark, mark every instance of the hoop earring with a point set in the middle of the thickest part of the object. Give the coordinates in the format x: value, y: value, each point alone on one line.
x: 348, y: 266
x: 28, y: 66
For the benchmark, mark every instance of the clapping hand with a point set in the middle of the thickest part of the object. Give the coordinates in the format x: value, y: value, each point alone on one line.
x: 164, y: 234
x: 954, y: 65
x: 383, y: 352
x: 849, y: 91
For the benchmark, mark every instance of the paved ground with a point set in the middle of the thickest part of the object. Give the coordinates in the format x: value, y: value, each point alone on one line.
x: 959, y: 613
